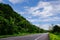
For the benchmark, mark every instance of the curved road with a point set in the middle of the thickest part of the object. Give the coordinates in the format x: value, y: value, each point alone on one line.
x: 43, y: 36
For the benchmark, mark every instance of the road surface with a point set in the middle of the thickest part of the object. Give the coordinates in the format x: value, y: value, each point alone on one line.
x: 43, y: 36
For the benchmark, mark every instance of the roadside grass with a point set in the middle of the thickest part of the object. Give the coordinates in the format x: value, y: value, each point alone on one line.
x: 20, y: 34
x: 4, y: 36
x: 54, y: 37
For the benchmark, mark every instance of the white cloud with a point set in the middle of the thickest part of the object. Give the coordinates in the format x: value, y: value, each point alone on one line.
x: 45, y: 26
x: 53, y: 19
x: 29, y: 17
x: 48, y: 14
x: 1, y: 1
x: 47, y: 8
x: 50, y: 19
x: 33, y: 20
x: 16, y: 1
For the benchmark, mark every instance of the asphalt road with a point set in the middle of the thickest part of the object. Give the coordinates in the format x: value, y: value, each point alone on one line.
x: 43, y: 36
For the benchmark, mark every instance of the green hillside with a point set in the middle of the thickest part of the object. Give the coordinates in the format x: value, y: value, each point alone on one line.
x: 11, y: 22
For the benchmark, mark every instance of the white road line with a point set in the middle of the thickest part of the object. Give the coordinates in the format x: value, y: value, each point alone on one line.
x: 39, y: 37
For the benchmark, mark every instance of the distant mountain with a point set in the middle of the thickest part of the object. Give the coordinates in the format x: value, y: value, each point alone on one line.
x: 12, y: 22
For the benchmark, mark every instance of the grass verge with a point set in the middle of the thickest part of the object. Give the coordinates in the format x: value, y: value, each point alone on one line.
x: 54, y: 37
x: 20, y: 34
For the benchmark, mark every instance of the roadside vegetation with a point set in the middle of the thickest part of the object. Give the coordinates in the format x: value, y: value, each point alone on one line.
x: 20, y: 34
x: 55, y: 33
x: 54, y: 37
x: 13, y: 24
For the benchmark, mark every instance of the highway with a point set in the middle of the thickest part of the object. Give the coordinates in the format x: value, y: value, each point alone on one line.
x: 43, y: 36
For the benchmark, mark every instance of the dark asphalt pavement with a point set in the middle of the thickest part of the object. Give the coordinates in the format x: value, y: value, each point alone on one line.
x: 43, y: 36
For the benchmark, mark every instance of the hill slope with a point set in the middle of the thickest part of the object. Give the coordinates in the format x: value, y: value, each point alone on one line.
x: 12, y: 22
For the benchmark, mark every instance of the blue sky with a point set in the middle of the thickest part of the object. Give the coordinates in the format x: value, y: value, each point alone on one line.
x: 41, y: 13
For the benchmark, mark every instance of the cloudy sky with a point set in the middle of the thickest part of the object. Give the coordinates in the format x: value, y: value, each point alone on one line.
x: 41, y: 13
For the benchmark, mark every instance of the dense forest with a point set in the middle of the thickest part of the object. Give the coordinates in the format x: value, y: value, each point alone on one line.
x: 11, y: 22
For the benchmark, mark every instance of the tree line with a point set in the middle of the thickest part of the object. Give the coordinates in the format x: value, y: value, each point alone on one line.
x: 55, y: 29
